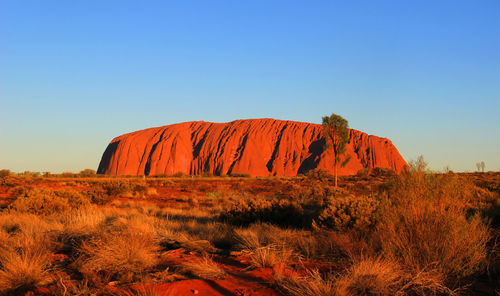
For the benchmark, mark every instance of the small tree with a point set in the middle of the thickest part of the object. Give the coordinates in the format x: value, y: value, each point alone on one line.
x: 336, y: 133
x: 482, y: 166
x: 87, y: 173
x: 478, y: 165
x: 4, y: 173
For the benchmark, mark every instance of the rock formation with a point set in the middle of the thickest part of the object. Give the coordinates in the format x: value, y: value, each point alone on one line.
x: 259, y: 147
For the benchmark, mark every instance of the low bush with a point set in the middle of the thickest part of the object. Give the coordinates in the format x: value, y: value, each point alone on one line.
x: 344, y: 213
x: 319, y: 175
x: 87, y: 173
x: 315, y: 194
x: 240, y: 175
x: 68, y: 175
x: 281, y: 212
x: 4, y: 173
x: 41, y: 201
x: 97, y: 196
x: 20, y: 191
x: 179, y: 175
x: 75, y: 199
x: 426, y: 222
x: 382, y: 172
x: 117, y: 188
x: 364, y: 172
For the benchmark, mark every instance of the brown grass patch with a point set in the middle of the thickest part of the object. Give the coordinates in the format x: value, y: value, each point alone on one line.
x: 121, y: 256
x: 204, y: 268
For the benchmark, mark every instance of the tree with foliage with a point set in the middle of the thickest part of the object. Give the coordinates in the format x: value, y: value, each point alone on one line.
x: 87, y: 173
x: 336, y: 133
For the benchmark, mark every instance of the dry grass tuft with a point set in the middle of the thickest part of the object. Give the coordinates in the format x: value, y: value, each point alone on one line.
x: 24, y: 271
x: 366, y: 277
x: 143, y: 290
x: 369, y: 277
x: 269, y: 256
x: 312, y: 284
x: 122, y: 256
x: 25, y: 246
x: 204, y: 268
x: 426, y: 283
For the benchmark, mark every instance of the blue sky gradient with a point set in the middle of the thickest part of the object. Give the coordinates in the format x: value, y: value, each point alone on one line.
x: 75, y: 74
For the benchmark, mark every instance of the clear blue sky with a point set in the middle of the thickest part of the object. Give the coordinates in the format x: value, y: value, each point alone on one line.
x: 75, y: 74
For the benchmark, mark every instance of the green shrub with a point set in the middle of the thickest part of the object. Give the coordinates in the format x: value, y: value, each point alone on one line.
x: 279, y: 212
x: 30, y: 174
x: 426, y: 223
x: 316, y: 194
x: 179, y: 175
x: 319, y: 175
x: 75, y: 199
x: 381, y: 172
x: 68, y: 175
x: 117, y: 188
x: 97, y: 196
x: 348, y: 212
x: 4, y: 173
x: 139, y: 189
x: 40, y: 201
x: 240, y: 175
x: 20, y: 190
x: 364, y: 172
x: 87, y: 173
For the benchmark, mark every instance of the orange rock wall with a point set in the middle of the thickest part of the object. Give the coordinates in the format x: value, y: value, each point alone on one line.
x: 260, y: 147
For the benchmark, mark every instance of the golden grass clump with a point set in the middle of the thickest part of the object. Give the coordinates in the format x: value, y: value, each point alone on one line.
x: 269, y: 256
x: 369, y: 277
x: 120, y: 256
x: 311, y: 284
x: 203, y: 268
x: 301, y: 244
x: 266, y: 245
x: 122, y: 245
x: 23, y: 271
x: 25, y: 248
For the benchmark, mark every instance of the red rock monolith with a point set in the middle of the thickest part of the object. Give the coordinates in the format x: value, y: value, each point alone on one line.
x: 259, y: 147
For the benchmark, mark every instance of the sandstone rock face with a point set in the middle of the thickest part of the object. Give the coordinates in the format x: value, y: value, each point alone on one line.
x: 259, y: 147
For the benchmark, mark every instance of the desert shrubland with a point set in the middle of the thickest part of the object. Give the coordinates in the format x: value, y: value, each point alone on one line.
x: 417, y: 233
